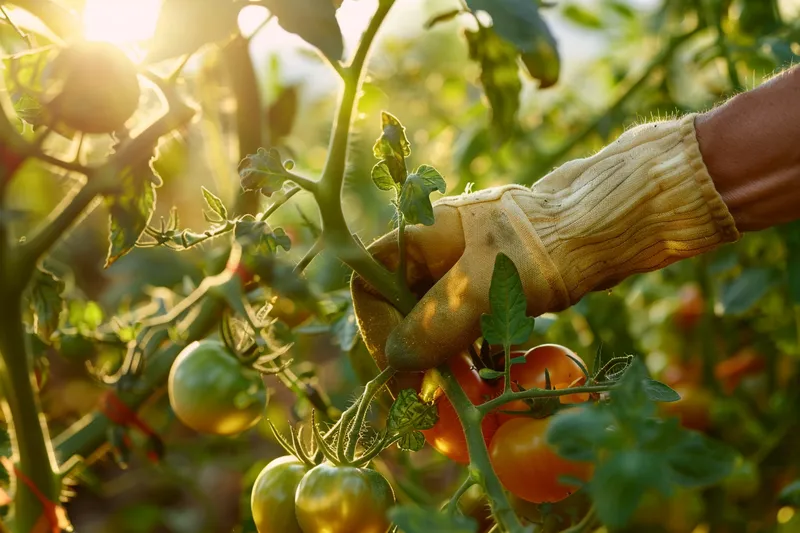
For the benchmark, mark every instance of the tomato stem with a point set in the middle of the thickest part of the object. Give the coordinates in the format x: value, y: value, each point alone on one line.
x: 480, y: 466
x: 452, y: 505
x: 510, y: 396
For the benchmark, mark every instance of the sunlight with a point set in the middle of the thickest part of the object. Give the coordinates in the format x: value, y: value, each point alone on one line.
x: 120, y: 21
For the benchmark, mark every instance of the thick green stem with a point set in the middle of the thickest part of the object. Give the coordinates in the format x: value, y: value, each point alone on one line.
x: 480, y: 465
x: 28, y: 427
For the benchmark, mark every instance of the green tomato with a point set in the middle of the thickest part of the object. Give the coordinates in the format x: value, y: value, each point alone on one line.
x: 272, y: 499
x: 211, y: 392
x: 343, y: 499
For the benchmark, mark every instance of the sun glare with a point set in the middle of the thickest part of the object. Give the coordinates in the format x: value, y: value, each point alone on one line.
x: 120, y: 21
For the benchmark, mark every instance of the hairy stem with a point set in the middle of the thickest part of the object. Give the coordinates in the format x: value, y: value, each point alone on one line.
x: 530, y: 394
x: 370, y: 390
x: 480, y: 466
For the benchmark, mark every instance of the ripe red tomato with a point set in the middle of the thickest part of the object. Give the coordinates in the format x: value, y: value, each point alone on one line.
x: 447, y: 436
x: 564, y: 372
x: 528, y: 467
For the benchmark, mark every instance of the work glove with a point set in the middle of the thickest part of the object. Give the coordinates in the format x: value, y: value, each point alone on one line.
x: 643, y: 202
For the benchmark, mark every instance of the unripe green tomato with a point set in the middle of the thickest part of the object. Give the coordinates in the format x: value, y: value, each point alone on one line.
x: 343, y: 499
x: 96, y: 87
x: 272, y: 499
x: 211, y: 392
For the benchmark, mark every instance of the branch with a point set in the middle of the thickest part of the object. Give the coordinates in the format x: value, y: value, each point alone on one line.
x: 531, y: 394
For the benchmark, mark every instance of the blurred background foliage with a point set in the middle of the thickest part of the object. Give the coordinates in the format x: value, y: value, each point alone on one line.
x: 623, y: 62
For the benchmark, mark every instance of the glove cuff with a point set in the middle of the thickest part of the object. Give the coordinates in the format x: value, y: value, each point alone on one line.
x: 640, y: 204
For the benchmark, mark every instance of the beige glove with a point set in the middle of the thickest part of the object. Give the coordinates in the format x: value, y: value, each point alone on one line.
x: 641, y: 203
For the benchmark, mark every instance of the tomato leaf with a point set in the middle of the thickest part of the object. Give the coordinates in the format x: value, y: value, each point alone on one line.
x: 215, y: 204
x: 345, y: 329
x: 313, y: 20
x: 488, y: 373
x: 46, y: 303
x: 393, y: 142
x: 256, y: 237
x: 408, y: 415
x: 415, y: 203
x: 791, y: 236
x: 263, y: 171
x: 415, y: 519
x: 790, y: 494
x: 660, y: 392
x: 697, y: 461
x: 580, y: 432
x: 508, y: 323
x: 130, y: 210
x: 499, y: 78
x: 519, y: 22
x: 382, y: 176
x: 211, y: 21
x: 742, y: 293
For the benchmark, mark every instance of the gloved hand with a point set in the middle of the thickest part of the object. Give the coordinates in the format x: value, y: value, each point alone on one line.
x: 641, y: 203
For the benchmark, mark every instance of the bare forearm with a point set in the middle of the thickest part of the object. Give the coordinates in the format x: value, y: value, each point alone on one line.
x: 750, y: 146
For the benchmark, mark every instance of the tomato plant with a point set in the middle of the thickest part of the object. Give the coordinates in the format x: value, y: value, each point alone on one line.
x: 339, y: 499
x: 528, y: 466
x: 446, y: 435
x: 210, y: 391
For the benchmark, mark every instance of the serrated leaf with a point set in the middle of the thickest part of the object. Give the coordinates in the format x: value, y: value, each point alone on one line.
x: 409, y: 413
x: 413, y: 441
x: 211, y: 21
x: 257, y: 237
x: 214, y: 203
x: 659, y: 392
x: 742, y: 293
x: 415, y: 203
x: 130, y: 210
x: 382, y: 177
x: 46, y: 302
x: 508, y: 323
x: 263, y: 171
x: 393, y: 143
x: 697, y: 461
x: 313, y: 20
x: 414, y: 519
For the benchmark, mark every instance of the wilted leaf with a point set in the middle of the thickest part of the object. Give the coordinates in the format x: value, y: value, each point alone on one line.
x: 130, y: 210
x: 508, y: 324
x: 414, y: 519
x: 313, y: 20
x: 415, y: 202
x: 46, y: 302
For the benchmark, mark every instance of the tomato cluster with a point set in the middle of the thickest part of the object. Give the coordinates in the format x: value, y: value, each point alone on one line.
x: 525, y: 463
x: 290, y: 497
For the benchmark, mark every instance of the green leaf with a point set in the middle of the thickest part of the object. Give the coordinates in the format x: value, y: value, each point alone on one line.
x: 499, y: 78
x: 382, y: 177
x: 393, y: 143
x: 659, y: 392
x: 488, y: 373
x: 345, y: 329
x: 790, y: 494
x: 263, y: 171
x: 415, y: 519
x: 211, y: 21
x: 257, y: 237
x: 791, y: 236
x: 46, y: 302
x: 697, y: 461
x: 415, y: 203
x: 130, y: 210
x: 582, y: 17
x: 313, y: 20
x: 409, y: 413
x: 412, y: 441
x: 742, y: 293
x: 578, y: 434
x: 214, y: 203
x: 508, y: 323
